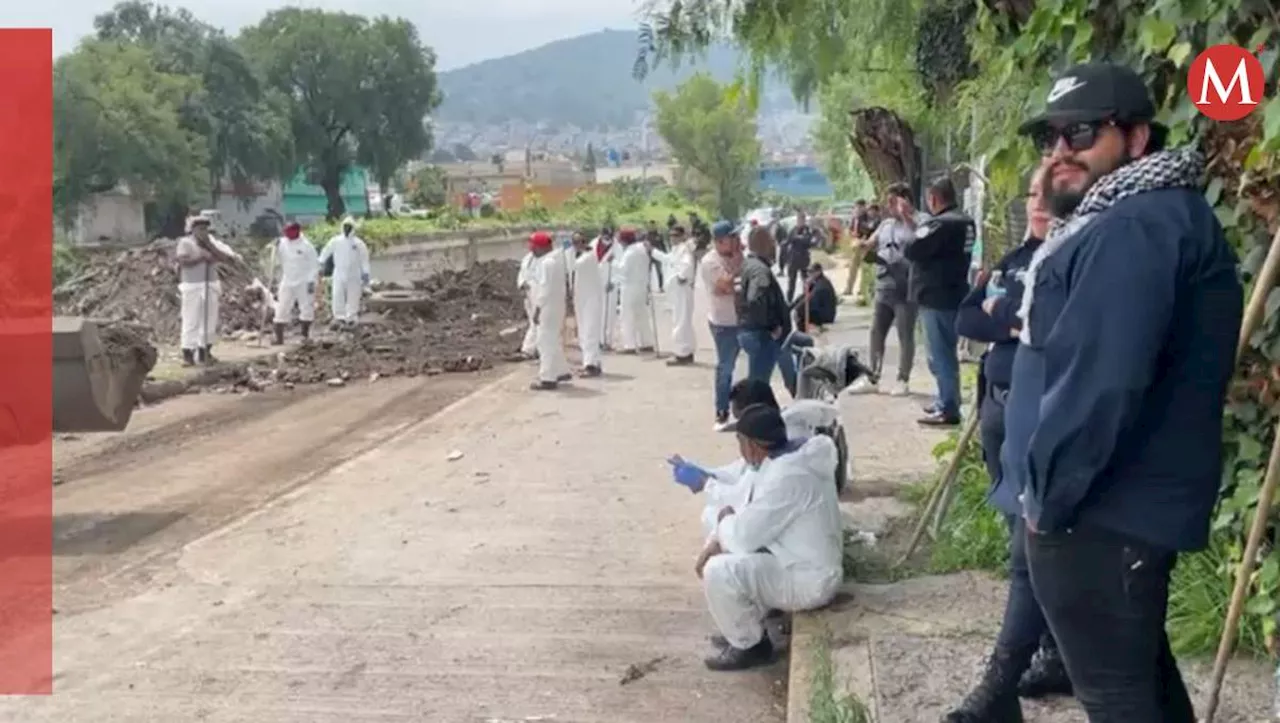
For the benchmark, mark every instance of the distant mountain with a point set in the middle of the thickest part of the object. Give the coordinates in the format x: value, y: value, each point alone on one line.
x: 584, y: 81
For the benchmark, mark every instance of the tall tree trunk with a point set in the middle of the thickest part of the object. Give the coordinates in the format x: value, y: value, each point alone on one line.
x: 331, y: 182
x: 887, y: 146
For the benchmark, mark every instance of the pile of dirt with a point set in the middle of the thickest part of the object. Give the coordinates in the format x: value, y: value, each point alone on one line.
x: 126, y: 345
x: 455, y: 322
x: 140, y: 286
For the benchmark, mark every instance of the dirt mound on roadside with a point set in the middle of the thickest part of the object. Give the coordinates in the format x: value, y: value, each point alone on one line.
x: 455, y: 322
x: 126, y: 345
x: 140, y: 286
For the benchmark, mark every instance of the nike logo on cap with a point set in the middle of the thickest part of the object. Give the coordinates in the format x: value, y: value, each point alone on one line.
x: 1062, y: 87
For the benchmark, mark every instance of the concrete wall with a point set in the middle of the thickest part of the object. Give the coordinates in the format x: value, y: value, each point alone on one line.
x: 236, y: 214
x: 111, y: 217
x: 419, y: 258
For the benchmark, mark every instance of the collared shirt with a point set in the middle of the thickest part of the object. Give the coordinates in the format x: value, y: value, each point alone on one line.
x: 721, y: 309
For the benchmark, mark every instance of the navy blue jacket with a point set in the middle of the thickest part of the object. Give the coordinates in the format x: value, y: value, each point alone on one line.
x: 1114, y: 418
x: 974, y: 323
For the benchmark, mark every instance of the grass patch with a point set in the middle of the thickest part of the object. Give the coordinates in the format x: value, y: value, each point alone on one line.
x: 825, y: 704
x: 1199, y: 595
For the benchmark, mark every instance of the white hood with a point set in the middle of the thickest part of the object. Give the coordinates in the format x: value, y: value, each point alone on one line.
x: 804, y: 417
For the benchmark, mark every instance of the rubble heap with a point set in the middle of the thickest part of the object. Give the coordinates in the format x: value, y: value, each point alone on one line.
x: 455, y: 322
x: 140, y: 286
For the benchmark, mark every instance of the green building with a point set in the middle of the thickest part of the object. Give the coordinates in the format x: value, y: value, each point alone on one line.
x: 305, y: 202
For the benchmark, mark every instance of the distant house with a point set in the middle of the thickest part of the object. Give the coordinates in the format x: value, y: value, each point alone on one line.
x: 116, y: 216
x: 306, y: 203
x: 797, y: 181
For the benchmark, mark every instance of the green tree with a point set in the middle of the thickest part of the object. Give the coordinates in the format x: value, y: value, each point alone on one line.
x: 118, y: 120
x: 427, y: 187
x: 711, y: 131
x: 244, y: 123
x: 358, y: 90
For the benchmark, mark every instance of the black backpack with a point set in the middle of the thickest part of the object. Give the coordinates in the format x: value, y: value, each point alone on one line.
x: 328, y: 268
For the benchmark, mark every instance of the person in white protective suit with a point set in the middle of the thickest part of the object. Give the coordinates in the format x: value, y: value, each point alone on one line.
x: 680, y: 264
x: 549, y: 310
x: 635, y: 330
x: 588, y: 304
x: 524, y: 284
x: 609, y: 256
x: 729, y: 485
x: 294, y: 256
x: 198, y: 255
x: 350, y: 258
x: 780, y: 549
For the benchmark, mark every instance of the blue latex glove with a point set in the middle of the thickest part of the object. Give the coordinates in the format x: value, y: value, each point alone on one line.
x: 688, y: 474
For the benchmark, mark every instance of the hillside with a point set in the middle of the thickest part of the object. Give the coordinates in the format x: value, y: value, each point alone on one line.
x: 584, y: 81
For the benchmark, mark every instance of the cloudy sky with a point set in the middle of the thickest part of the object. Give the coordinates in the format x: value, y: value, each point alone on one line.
x: 461, y: 31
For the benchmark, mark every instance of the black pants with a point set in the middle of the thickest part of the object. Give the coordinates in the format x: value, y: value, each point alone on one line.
x: 1105, y: 596
x: 794, y: 270
x: 1023, y: 623
x: 903, y: 316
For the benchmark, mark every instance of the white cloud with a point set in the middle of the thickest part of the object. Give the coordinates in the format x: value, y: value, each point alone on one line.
x: 460, y: 32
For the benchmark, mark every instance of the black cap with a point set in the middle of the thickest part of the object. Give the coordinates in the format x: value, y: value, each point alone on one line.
x: 761, y: 423
x: 1095, y: 92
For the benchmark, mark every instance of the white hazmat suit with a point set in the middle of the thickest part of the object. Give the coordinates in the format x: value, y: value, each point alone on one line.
x: 299, y: 266
x: 525, y: 284
x: 681, y: 267
x: 609, y: 258
x: 730, y: 485
x: 350, y: 271
x: 200, y: 290
x: 588, y: 306
x: 551, y: 306
x: 636, y: 328
x: 794, y: 515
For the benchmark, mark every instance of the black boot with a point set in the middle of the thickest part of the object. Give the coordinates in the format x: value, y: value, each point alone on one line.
x: 188, y: 357
x: 306, y: 331
x: 1047, y: 675
x: 279, y: 334
x: 206, y: 355
x: 995, y: 699
x: 731, y: 658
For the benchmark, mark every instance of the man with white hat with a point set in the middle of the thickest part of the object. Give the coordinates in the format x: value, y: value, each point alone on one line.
x: 198, y: 255
x: 550, y: 304
x: 350, y: 257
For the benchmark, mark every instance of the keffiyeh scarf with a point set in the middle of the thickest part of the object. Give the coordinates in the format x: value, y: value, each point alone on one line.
x: 1181, y: 168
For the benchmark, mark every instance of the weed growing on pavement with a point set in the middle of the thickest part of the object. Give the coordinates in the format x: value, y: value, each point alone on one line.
x: 825, y: 705
x: 974, y: 535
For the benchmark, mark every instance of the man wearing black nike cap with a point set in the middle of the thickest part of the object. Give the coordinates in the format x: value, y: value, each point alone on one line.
x: 1114, y: 416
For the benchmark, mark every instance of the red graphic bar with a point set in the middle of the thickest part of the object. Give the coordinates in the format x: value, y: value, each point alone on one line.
x: 26, y: 357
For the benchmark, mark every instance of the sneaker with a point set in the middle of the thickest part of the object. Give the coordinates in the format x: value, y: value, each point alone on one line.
x: 901, y: 389
x: 722, y: 421
x: 863, y: 386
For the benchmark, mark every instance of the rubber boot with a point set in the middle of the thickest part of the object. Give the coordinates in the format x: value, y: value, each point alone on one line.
x: 995, y: 698
x: 279, y: 335
x: 1047, y: 675
x: 206, y: 355
x: 306, y: 331
x: 188, y: 357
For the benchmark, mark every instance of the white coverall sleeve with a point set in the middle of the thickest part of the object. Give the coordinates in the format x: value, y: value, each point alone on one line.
x: 363, y: 249
x: 542, y: 289
x: 313, y: 260
x: 327, y: 253
x: 775, y: 506
x: 225, y: 249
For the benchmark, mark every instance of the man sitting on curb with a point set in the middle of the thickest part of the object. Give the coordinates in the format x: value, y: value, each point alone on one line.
x: 729, y: 485
x: 781, y: 550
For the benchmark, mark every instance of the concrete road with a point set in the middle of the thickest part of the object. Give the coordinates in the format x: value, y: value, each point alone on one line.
x: 356, y: 556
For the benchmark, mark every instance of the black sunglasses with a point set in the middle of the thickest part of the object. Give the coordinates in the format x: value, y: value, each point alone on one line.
x: 1080, y: 136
